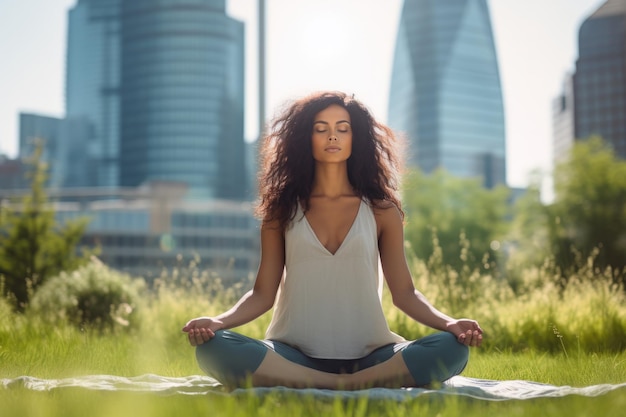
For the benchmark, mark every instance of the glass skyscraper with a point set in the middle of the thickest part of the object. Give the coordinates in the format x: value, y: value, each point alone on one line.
x: 182, y: 96
x: 445, y: 93
x: 92, y: 86
x: 600, y: 78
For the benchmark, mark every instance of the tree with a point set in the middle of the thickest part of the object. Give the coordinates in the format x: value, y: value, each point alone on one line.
x: 588, y: 216
x: 32, y: 246
x: 466, y: 219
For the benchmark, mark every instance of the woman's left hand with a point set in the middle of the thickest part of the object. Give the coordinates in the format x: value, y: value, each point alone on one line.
x: 467, y: 331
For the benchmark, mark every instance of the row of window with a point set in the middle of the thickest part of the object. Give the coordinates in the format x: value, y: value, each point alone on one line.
x: 196, y: 91
x: 184, y: 220
x: 158, y: 120
x: 202, y: 43
x: 170, y: 243
x: 151, y: 266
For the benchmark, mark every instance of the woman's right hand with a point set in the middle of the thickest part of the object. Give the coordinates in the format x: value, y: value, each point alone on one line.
x: 201, y: 329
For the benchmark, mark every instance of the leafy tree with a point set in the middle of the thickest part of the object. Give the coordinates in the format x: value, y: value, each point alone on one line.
x: 459, y: 215
x: 528, y: 232
x: 32, y: 246
x: 588, y: 216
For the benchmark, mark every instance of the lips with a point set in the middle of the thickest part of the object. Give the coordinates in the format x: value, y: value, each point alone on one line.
x: 332, y: 149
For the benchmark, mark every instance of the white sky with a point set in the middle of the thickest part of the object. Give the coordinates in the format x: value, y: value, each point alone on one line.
x: 318, y: 45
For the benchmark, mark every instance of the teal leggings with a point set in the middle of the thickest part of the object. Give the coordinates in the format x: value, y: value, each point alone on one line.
x: 231, y: 357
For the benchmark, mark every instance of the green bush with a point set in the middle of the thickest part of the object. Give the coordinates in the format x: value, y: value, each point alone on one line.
x: 93, y: 296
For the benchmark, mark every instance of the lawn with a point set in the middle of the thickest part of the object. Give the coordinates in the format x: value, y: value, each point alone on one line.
x: 64, y: 352
x: 574, y: 338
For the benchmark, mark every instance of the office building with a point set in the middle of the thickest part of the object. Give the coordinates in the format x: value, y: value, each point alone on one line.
x: 12, y: 175
x: 153, y: 229
x: 92, y: 86
x: 182, y: 96
x: 563, y: 121
x: 63, y: 147
x: 162, y: 84
x: 600, y: 78
x: 445, y: 93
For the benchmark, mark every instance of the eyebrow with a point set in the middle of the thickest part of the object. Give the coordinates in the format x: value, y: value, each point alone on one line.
x: 323, y: 122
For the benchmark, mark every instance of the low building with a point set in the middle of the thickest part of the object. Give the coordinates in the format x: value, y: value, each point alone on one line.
x: 152, y: 229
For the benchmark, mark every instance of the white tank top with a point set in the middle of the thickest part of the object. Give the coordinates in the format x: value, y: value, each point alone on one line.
x: 329, y: 306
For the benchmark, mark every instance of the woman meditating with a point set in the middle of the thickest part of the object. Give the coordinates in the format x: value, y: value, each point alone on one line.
x: 330, y: 215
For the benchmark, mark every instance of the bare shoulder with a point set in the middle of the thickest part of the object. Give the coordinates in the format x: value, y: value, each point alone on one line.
x: 385, y: 208
x: 271, y: 229
x: 387, y: 215
x: 267, y: 224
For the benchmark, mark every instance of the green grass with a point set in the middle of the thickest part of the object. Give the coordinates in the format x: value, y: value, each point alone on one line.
x: 64, y: 352
x: 70, y: 403
x: 573, y: 337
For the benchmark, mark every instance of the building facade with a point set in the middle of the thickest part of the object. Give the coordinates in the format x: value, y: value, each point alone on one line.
x: 92, y: 86
x: 600, y: 78
x: 563, y: 121
x: 182, y: 96
x: 162, y: 84
x: 64, y: 148
x: 12, y: 175
x: 153, y: 229
x: 445, y: 93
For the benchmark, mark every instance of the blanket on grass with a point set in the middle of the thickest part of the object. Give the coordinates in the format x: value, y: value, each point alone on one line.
x: 202, y: 385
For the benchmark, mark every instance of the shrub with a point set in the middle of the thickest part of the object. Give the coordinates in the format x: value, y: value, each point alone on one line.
x: 92, y: 296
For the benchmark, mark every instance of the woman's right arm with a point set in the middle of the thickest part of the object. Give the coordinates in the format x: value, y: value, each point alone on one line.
x: 256, y: 301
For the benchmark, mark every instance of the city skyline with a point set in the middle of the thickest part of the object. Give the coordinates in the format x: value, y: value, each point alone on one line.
x: 331, y: 45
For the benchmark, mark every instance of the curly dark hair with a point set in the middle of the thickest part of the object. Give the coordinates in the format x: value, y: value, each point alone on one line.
x: 288, y: 168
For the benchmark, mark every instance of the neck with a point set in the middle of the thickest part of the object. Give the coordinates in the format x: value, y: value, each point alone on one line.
x: 331, y: 180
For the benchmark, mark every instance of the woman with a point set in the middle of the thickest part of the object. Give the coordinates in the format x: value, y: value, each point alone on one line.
x: 331, y: 213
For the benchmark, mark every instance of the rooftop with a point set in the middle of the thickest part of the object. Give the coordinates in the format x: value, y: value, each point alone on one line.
x: 610, y: 8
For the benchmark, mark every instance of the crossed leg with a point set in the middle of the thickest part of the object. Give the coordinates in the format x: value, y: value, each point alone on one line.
x: 236, y: 360
x: 275, y: 370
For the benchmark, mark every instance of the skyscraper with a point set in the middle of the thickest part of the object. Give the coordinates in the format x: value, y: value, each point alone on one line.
x: 182, y: 96
x: 445, y: 93
x: 563, y: 121
x: 162, y: 86
x: 600, y: 78
x: 92, y: 86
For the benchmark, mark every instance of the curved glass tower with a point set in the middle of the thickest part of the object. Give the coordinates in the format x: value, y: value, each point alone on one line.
x: 445, y: 93
x: 182, y: 96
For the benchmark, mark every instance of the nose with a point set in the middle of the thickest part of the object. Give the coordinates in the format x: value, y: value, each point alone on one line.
x: 332, y: 138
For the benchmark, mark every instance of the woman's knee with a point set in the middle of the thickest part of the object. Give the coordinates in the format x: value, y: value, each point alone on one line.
x: 454, y: 354
x: 435, y: 358
x: 230, y: 357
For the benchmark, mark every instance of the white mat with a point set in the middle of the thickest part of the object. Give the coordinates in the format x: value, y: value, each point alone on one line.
x: 201, y: 385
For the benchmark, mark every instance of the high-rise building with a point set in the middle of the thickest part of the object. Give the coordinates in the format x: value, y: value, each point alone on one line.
x: 445, y: 93
x: 600, y: 78
x: 92, y: 86
x: 162, y: 84
x: 182, y: 96
x: 63, y: 147
x: 563, y: 121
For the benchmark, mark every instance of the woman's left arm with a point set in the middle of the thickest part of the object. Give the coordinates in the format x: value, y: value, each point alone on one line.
x: 403, y: 292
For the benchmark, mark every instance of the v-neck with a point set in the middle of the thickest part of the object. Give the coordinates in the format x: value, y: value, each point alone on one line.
x: 345, y: 238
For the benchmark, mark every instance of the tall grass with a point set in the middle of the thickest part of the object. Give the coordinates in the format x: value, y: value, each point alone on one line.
x: 587, y: 316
